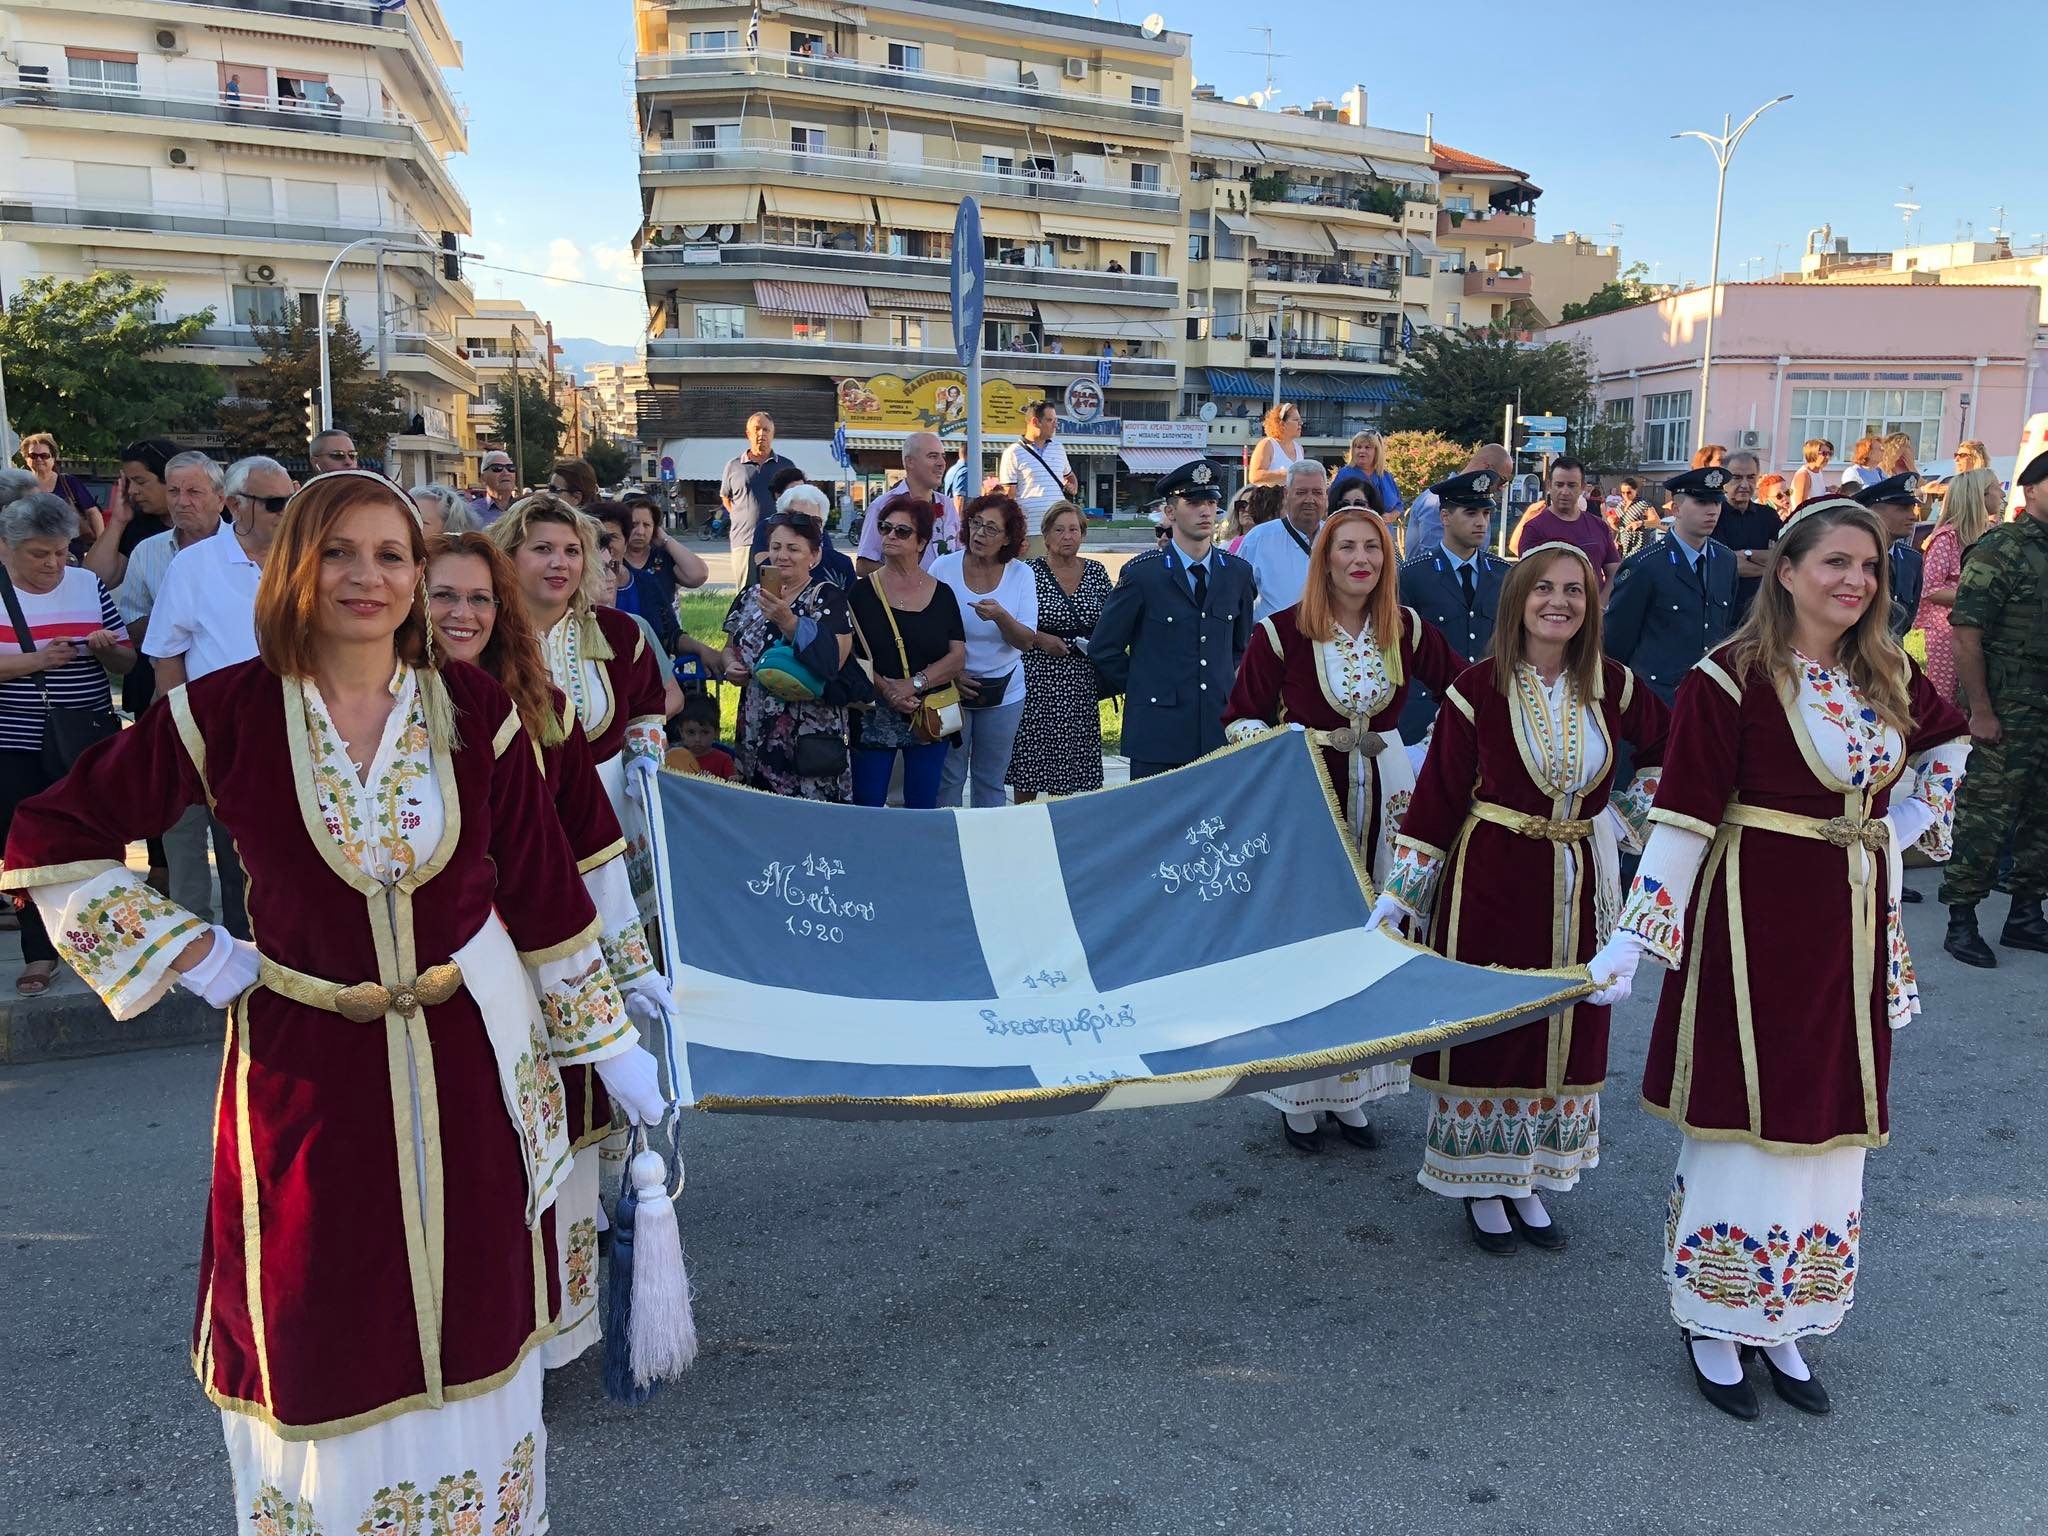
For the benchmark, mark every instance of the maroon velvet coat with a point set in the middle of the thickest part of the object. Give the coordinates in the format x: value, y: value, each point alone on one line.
x: 594, y: 837
x: 334, y: 1291
x: 632, y: 681
x: 1506, y: 899
x: 1819, y: 1042
x: 1281, y: 682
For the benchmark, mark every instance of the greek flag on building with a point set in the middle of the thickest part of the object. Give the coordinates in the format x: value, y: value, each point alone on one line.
x: 1190, y: 936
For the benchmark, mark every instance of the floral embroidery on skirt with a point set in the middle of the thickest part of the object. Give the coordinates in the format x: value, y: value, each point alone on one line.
x: 1512, y: 1145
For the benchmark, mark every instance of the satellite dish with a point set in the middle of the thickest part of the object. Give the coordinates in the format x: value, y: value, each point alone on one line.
x: 695, y: 231
x: 1154, y: 25
x: 1208, y: 410
x: 725, y: 233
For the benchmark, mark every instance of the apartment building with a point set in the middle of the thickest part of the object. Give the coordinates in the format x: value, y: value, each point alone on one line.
x: 1565, y: 269
x: 1311, y: 244
x: 504, y: 336
x: 229, y: 150
x: 1485, y: 217
x: 800, y: 175
x: 618, y: 388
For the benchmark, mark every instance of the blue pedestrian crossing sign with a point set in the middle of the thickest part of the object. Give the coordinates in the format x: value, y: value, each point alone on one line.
x: 968, y: 281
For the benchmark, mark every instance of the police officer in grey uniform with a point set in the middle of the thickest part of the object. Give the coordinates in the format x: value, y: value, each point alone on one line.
x: 1456, y: 585
x: 1674, y: 599
x: 1896, y: 499
x: 1173, y: 631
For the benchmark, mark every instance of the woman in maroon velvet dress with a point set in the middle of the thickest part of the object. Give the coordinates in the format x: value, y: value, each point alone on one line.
x: 1338, y: 663
x: 1805, y: 755
x: 376, y: 1276
x: 1509, y: 855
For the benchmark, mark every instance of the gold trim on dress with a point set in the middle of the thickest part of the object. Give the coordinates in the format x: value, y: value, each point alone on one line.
x: 1683, y: 822
x: 507, y: 733
x: 589, y: 934
x: 252, y: 1212
x: 602, y: 857
x: 1713, y: 669
x: 57, y: 874
x: 180, y: 706
x: 1459, y: 701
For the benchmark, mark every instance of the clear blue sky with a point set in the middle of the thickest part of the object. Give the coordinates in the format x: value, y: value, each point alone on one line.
x: 1582, y: 96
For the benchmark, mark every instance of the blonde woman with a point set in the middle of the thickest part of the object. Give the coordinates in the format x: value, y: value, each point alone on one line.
x: 1807, y: 480
x: 1895, y: 456
x: 1970, y: 509
x: 1366, y: 462
x: 1280, y: 449
x: 1972, y: 454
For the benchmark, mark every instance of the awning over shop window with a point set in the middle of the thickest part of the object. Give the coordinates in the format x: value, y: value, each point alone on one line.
x: 781, y: 298
x: 1158, y: 461
x: 810, y: 203
x: 704, y: 205
x: 1353, y: 237
x: 903, y: 213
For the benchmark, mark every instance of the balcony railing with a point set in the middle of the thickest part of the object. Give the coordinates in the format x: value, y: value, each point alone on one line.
x: 1314, y: 349
x: 669, y: 262
x: 753, y: 158
x: 442, y: 349
x: 864, y: 357
x: 668, y: 71
x: 182, y: 219
x: 1379, y: 279
x: 1506, y: 228
x: 1483, y: 281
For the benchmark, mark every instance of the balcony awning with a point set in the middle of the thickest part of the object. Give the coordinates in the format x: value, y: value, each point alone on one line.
x: 1297, y: 235
x: 1238, y: 224
x: 1062, y: 223
x: 1299, y: 385
x: 1158, y: 461
x: 703, y: 205
x: 811, y: 203
x: 906, y: 213
x: 909, y: 298
x: 1314, y: 159
x: 1236, y: 384
x: 803, y: 299
x: 1429, y: 249
x: 1354, y: 237
x: 1102, y: 323
x: 1225, y: 149
x: 1009, y: 224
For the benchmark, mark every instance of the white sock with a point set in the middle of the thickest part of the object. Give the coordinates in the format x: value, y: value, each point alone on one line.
x: 1530, y: 1209
x: 1718, y: 1361
x: 1353, y: 1117
x: 1786, y: 1357
x: 1305, y: 1124
x: 1490, y: 1216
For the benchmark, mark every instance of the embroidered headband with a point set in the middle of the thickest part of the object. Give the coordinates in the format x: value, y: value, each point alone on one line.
x: 382, y: 482
x: 1563, y: 547
x: 1820, y: 504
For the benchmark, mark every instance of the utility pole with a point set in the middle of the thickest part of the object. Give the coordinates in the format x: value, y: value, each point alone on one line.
x: 1279, y: 345
x: 518, y: 427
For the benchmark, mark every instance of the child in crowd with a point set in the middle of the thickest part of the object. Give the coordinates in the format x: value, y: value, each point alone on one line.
x: 698, y: 727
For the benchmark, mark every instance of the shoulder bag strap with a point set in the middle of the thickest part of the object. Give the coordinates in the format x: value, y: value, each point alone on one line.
x: 1032, y: 449
x: 902, y: 655
x: 21, y: 631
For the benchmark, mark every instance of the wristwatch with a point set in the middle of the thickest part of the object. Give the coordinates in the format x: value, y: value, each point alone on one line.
x: 917, y: 681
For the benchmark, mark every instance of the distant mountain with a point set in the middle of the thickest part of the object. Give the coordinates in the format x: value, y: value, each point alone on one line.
x: 578, y: 352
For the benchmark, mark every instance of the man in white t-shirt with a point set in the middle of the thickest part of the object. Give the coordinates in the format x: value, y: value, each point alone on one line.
x: 1035, y: 472
x: 1278, y: 550
x: 205, y: 619
x: 924, y: 472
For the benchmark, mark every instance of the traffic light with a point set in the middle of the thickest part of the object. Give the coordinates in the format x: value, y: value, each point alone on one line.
x: 312, y: 412
x: 451, y: 257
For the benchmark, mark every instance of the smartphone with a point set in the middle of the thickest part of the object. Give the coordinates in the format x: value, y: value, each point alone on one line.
x: 771, y: 581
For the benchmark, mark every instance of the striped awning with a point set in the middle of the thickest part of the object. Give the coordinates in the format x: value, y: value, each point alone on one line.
x: 828, y: 299
x: 1351, y: 237
x: 1158, y: 461
x: 1368, y: 390
x: 908, y: 298
x: 1236, y: 384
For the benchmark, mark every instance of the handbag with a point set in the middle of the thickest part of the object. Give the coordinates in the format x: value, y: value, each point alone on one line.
x: 819, y: 755
x: 66, y: 732
x: 937, y: 715
x: 783, y: 673
x: 989, y: 691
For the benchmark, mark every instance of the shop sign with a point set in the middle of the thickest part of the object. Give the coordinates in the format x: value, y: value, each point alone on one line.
x: 935, y: 401
x: 1166, y: 434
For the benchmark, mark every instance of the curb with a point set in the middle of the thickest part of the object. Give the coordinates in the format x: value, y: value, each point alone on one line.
x: 60, y: 1027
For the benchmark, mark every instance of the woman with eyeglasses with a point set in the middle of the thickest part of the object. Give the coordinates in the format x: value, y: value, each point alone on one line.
x: 788, y: 638
x: 999, y: 612
x: 39, y: 454
x: 477, y: 617
x: 1059, y: 738
x: 909, y: 626
x: 575, y: 482
x: 1280, y: 449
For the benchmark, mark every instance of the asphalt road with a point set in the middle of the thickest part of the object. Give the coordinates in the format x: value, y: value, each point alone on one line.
x: 1148, y: 1322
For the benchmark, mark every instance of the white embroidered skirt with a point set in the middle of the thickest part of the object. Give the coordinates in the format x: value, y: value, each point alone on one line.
x: 577, y: 1220
x: 476, y: 1465
x: 1762, y: 1247
x: 1348, y: 1090
x: 1509, y: 1145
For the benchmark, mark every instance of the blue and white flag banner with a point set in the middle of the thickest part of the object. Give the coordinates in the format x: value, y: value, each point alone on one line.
x: 1187, y: 937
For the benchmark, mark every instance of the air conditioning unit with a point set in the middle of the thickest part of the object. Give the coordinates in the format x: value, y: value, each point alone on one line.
x: 259, y: 272
x: 1075, y: 69
x: 1752, y: 438
x: 170, y: 41
x: 181, y: 157
x: 1372, y: 317
x: 1071, y: 244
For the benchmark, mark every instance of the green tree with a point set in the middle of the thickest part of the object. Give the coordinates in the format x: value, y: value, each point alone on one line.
x: 540, y: 429
x: 1459, y: 382
x: 607, y: 460
x: 1626, y: 290
x: 1417, y: 460
x: 80, y: 356
x: 270, y: 416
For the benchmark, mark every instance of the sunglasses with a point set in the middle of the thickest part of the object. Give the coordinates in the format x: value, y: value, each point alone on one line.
x: 50, y: 458
x: 896, y: 530
x: 497, y: 469
x: 267, y: 503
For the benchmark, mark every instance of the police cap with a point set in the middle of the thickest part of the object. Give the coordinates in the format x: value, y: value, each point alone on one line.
x: 1699, y: 484
x: 2035, y: 472
x: 1896, y: 489
x: 1192, y: 481
x: 1474, y: 488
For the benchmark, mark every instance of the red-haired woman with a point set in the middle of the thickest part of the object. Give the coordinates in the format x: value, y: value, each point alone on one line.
x: 1339, y: 664
x: 1508, y: 856
x: 473, y: 600
x: 376, y: 1276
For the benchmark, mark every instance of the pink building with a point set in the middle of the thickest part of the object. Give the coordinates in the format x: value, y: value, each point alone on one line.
x: 1837, y: 360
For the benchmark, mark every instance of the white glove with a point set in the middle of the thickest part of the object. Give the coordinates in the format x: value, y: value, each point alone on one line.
x: 1388, y: 913
x: 1614, y: 969
x: 648, y: 1001
x: 229, y: 969
x: 1909, y: 821
x: 633, y: 1080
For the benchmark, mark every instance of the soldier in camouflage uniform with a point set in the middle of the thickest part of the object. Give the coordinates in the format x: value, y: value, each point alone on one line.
x: 2000, y: 624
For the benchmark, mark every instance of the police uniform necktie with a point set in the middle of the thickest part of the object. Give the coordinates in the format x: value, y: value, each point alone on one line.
x: 1471, y: 589
x: 1201, y: 573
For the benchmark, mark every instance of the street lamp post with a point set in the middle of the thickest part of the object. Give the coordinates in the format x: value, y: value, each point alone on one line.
x: 1723, y: 148
x: 383, y: 243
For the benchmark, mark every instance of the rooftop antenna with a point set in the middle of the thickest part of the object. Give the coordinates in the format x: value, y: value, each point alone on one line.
x: 1268, y: 55
x: 1999, y: 228
x: 1907, y: 209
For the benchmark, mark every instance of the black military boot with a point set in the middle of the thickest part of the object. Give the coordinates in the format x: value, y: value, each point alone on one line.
x: 2025, y: 927
x: 1965, y: 942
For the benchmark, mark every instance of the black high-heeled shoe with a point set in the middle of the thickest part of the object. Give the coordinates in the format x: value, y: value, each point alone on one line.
x: 1738, y: 1401
x: 1808, y: 1396
x: 1302, y: 1141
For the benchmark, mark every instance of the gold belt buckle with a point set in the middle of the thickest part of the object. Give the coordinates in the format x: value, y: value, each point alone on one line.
x: 1343, y: 739
x: 1848, y: 831
x: 364, y: 1003
x: 368, y: 1001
